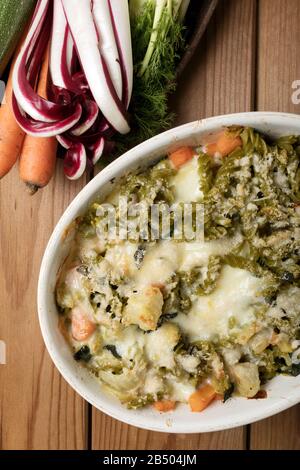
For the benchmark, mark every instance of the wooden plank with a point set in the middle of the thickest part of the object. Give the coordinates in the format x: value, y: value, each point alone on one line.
x: 220, y: 79
x: 38, y: 410
x: 109, y: 434
x: 278, y: 54
x: 278, y: 67
x: 281, y: 432
x: 217, y: 81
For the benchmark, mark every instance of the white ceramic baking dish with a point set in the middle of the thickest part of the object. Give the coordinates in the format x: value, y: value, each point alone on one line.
x: 283, y: 391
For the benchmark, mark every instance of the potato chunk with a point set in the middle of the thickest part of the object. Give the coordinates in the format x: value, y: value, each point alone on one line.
x: 259, y: 342
x: 144, y: 308
x: 160, y: 345
x: 246, y: 379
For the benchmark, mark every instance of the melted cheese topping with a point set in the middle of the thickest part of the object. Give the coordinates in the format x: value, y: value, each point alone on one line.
x: 208, y: 318
x: 198, y: 252
x: 128, y: 341
x: 180, y: 390
x: 166, y: 257
x: 121, y: 258
x: 234, y: 297
x: 159, y: 264
x: 160, y: 345
x: 186, y: 182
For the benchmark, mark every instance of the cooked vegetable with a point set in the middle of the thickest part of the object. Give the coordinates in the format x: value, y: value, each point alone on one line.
x: 261, y: 394
x: 139, y: 256
x: 211, y: 149
x: 112, y: 348
x: 205, y: 172
x: 82, y: 326
x: 144, y: 308
x: 83, y: 354
x: 200, y: 399
x: 11, y: 135
x: 227, y: 142
x: 164, y: 405
x: 295, y: 370
x: 193, y: 320
x: 246, y: 379
x: 228, y: 392
x: 38, y: 156
x: 13, y: 19
x: 180, y: 156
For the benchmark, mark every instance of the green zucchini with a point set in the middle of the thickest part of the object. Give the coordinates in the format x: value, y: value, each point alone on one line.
x: 14, y: 15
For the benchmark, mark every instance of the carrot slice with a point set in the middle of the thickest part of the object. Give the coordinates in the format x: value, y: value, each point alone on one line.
x: 211, y: 149
x: 38, y: 156
x: 226, y: 143
x: 164, y: 405
x: 82, y: 327
x: 180, y: 156
x: 200, y: 399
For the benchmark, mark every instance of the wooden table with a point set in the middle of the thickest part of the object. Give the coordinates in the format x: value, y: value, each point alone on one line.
x: 247, y: 61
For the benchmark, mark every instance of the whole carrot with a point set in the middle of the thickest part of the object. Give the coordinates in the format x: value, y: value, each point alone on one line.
x: 11, y: 135
x: 38, y: 156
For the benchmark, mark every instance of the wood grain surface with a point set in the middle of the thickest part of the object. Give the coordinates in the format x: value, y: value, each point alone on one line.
x: 246, y: 61
x: 38, y: 409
